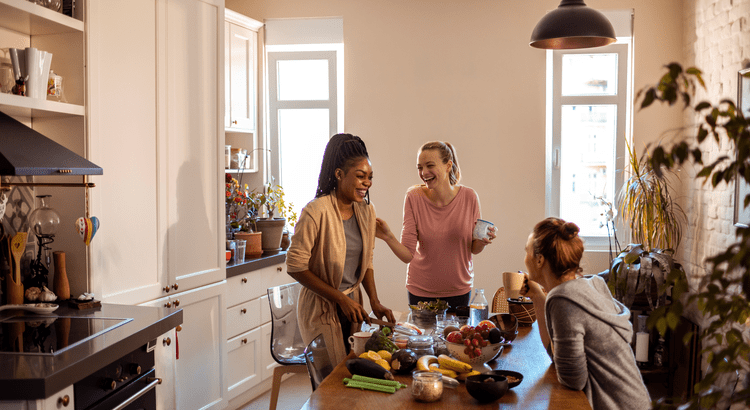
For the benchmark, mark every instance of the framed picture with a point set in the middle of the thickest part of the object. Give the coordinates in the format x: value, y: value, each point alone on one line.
x: 741, y: 187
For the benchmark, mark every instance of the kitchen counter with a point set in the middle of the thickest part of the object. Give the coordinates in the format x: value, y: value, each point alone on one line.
x: 256, y: 263
x: 37, y: 376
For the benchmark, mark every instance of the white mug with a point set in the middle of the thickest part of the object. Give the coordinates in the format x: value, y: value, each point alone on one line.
x: 358, y: 340
x: 482, y: 229
x: 513, y: 282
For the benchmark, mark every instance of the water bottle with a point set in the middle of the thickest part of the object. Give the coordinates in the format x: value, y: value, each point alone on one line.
x: 479, y: 309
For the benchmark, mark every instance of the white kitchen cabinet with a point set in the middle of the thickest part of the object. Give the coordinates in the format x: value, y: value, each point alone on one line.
x: 58, y: 401
x: 244, y: 362
x: 156, y: 76
x: 199, y: 347
x: 164, y: 357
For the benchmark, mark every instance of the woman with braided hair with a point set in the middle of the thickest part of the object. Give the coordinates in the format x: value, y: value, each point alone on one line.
x: 332, y: 249
x: 436, y: 236
x: 586, y: 332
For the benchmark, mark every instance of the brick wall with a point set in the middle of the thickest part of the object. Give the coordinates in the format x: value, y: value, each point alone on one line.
x: 716, y: 40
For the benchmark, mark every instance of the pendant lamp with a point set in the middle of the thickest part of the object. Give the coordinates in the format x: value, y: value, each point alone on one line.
x: 572, y: 25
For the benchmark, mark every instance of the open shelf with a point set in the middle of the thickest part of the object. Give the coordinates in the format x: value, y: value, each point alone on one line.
x: 31, y: 19
x: 19, y: 106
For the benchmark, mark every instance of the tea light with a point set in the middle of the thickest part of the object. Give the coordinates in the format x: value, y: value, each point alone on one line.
x: 427, y: 386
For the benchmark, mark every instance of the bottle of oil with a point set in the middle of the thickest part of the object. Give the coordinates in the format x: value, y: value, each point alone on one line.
x: 479, y: 309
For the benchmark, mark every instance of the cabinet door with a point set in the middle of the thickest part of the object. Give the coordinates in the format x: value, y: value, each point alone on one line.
x: 268, y: 362
x: 193, y: 144
x: 244, y: 361
x: 165, y: 356
x: 200, y: 368
x: 242, y: 51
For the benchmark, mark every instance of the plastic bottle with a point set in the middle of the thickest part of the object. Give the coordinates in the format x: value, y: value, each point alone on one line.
x: 479, y: 309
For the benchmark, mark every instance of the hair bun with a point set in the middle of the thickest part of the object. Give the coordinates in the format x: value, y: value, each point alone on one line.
x: 569, y: 230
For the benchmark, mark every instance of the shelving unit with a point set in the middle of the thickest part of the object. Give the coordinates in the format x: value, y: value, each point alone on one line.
x: 31, y: 19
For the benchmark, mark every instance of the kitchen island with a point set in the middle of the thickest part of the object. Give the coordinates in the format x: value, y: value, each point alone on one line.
x: 36, y: 369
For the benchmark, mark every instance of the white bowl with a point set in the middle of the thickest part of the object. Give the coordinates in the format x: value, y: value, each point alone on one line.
x: 478, y: 363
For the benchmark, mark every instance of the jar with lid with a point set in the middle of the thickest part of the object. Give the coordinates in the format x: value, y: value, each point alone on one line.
x: 421, y: 345
x: 427, y: 386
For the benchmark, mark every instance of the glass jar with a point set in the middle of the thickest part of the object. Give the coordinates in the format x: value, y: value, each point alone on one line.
x: 427, y: 386
x: 44, y: 220
x: 421, y: 345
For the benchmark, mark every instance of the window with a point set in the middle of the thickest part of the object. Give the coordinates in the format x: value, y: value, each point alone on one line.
x: 588, y: 91
x: 305, y: 101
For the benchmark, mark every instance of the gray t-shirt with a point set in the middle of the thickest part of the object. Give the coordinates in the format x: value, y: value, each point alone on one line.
x: 353, y: 254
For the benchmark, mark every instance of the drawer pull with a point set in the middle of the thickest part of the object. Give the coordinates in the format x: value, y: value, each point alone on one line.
x: 243, y: 310
x: 175, y: 286
x: 166, y: 289
x: 177, y: 303
x: 178, y: 328
x: 244, y: 341
x: 168, y: 305
x: 64, y: 400
x: 167, y: 341
x: 244, y: 280
x: 278, y: 269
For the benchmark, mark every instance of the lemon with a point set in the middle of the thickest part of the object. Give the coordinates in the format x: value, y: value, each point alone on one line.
x: 383, y: 363
x: 385, y: 355
x: 370, y: 355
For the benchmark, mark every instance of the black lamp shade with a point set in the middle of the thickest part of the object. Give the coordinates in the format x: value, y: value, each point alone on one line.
x: 572, y: 25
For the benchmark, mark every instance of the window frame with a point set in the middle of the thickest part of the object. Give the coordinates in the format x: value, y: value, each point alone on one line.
x: 554, y: 103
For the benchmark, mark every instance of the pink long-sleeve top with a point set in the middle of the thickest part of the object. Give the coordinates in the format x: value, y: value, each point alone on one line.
x: 439, y: 239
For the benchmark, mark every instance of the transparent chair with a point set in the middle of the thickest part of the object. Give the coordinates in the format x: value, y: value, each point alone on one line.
x: 287, y: 346
x: 318, y: 362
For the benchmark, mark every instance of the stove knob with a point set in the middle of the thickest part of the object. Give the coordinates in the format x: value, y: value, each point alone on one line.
x: 134, y: 369
x: 109, y: 383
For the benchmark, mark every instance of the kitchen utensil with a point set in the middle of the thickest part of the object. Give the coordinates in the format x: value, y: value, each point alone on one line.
x: 39, y: 308
x: 17, y: 249
x: 37, y: 65
x: 382, y: 323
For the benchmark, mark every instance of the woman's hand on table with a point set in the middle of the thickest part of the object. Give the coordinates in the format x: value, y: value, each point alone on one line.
x: 381, y: 311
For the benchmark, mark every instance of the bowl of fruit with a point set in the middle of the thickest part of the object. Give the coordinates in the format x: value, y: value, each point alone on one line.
x: 475, y: 345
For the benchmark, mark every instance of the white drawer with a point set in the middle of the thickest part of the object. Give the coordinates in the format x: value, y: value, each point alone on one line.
x: 242, y: 288
x: 243, y: 317
x: 265, y: 310
x: 275, y: 276
x: 244, y: 360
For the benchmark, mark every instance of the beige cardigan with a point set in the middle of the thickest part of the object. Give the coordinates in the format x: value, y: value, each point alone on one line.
x: 319, y: 245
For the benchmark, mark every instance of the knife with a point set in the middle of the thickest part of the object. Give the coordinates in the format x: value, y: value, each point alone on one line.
x: 396, y: 328
x: 382, y: 322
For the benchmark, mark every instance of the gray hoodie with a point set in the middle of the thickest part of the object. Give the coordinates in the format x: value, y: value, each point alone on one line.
x: 591, y: 335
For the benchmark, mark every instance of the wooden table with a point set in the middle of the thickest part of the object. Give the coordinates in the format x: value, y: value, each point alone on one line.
x: 539, y: 389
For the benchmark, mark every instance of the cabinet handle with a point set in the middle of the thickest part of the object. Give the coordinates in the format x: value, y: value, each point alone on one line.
x: 177, y: 303
x: 64, y: 400
x: 167, y: 341
x: 175, y: 286
x: 278, y: 268
x: 244, y: 341
x: 166, y: 289
x: 178, y: 328
x: 168, y: 305
x: 234, y: 122
x: 153, y: 379
x: 244, y: 280
x: 243, y: 310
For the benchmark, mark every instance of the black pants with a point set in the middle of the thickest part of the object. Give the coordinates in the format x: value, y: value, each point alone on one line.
x: 453, y: 301
x: 346, y: 328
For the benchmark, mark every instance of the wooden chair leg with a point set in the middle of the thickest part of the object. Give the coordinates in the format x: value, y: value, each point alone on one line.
x: 278, y: 372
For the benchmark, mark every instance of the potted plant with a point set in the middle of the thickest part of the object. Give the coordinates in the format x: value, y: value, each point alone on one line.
x: 242, y: 212
x: 272, y: 198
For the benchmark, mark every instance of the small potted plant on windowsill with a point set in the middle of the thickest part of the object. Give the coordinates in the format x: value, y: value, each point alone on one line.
x: 272, y: 198
x: 242, y: 212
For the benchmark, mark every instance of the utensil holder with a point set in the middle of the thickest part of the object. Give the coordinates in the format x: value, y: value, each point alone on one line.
x: 14, y: 291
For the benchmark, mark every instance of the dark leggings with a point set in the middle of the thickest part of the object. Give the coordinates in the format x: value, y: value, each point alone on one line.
x: 453, y: 301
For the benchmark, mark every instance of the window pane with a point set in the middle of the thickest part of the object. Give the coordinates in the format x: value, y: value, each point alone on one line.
x: 303, y: 80
x: 589, y: 74
x: 303, y: 135
x: 587, y: 169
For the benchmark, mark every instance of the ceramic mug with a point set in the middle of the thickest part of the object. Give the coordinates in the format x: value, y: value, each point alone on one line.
x: 482, y: 229
x: 357, y: 341
x: 513, y: 282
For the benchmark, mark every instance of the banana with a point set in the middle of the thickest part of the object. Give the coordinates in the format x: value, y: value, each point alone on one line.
x: 463, y: 376
x: 423, y: 363
x: 458, y: 366
x: 435, y: 367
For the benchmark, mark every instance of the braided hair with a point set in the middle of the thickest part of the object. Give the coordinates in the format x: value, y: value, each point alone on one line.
x: 559, y: 243
x: 342, y: 151
x: 447, y: 153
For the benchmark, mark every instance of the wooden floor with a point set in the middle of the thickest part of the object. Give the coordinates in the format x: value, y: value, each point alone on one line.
x: 293, y: 394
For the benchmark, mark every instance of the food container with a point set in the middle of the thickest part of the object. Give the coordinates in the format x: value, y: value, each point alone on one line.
x: 401, y: 341
x: 427, y: 386
x: 421, y: 345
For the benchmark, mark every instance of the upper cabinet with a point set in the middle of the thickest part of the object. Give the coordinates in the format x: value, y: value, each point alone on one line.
x: 25, y: 24
x: 241, y: 72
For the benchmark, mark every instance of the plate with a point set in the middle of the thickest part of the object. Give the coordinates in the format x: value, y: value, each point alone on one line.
x: 507, y: 373
x: 39, y: 308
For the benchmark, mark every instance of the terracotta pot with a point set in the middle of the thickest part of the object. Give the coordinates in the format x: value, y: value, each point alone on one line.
x: 253, y: 248
x: 286, y: 241
x: 272, y: 230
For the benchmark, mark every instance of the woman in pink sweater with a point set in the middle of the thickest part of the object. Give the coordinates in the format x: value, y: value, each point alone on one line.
x: 436, y: 236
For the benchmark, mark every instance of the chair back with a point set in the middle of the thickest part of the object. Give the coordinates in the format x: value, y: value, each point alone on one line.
x: 318, y: 362
x: 287, y: 346
x: 500, y: 302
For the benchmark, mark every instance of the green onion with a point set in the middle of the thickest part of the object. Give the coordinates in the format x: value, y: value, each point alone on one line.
x: 369, y: 386
x: 394, y: 383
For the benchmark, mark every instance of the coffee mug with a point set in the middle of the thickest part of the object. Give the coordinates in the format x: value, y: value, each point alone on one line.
x: 357, y: 341
x: 513, y: 282
x: 482, y: 229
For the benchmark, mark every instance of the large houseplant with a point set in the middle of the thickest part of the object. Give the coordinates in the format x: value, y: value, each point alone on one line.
x: 272, y: 198
x: 723, y: 293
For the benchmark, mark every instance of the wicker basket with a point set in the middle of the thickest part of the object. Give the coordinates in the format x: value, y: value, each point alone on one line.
x: 523, y: 310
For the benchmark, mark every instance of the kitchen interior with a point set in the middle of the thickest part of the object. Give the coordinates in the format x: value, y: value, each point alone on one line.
x: 145, y: 98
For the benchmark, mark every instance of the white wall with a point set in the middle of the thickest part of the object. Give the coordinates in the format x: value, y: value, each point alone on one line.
x: 463, y: 71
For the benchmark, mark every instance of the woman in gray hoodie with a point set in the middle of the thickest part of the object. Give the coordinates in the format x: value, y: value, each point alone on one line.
x: 586, y: 332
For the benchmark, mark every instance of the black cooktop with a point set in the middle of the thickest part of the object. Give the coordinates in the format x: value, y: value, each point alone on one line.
x: 50, y: 334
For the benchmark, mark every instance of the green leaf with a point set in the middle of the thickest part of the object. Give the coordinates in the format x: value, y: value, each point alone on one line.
x: 648, y: 99
x: 702, y: 106
x: 661, y: 325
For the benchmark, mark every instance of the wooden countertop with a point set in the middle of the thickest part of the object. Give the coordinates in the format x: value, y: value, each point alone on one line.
x: 539, y: 389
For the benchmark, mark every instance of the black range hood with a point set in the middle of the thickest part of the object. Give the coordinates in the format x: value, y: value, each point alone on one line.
x: 24, y: 151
